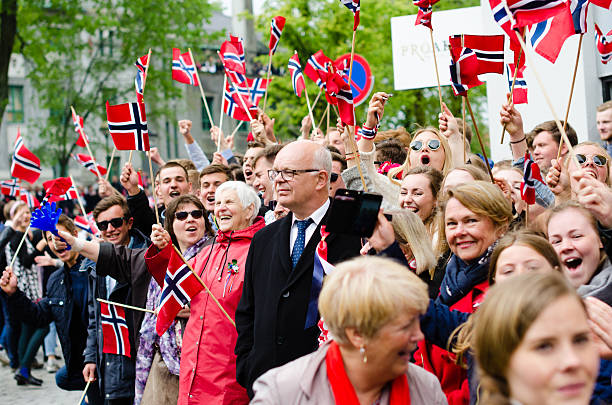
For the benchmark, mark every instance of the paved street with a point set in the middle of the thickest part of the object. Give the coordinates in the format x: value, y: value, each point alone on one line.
x: 48, y: 394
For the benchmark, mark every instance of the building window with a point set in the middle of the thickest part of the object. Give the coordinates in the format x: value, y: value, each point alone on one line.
x: 14, y: 109
x: 607, y: 88
x: 206, y: 124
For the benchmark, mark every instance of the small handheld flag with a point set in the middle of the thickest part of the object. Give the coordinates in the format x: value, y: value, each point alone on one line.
x: 604, y: 45
x: 10, y: 187
x: 78, y: 128
x: 141, y: 66
x: 25, y: 166
x: 89, y: 163
x: 276, y: 29
x: 531, y: 174
x: 115, y: 333
x: 183, y: 68
x: 354, y: 6
x: 297, y: 78
x: 127, y: 124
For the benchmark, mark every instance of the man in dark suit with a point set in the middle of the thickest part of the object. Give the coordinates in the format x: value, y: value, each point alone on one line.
x: 277, y: 315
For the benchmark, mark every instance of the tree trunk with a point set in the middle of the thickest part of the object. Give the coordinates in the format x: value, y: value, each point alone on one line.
x: 8, y: 28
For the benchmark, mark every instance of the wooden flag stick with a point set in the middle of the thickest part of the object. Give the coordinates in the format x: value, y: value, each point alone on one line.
x: 353, y: 143
x: 484, y: 152
x: 235, y: 89
x: 144, y: 79
x: 312, y: 121
x: 268, y: 79
x: 314, y: 105
x: 463, y: 115
x: 130, y: 157
x: 84, y: 393
x: 433, y: 48
x: 79, y: 198
x: 237, y: 128
x: 550, y: 105
x: 25, y: 234
x: 88, y: 148
x: 326, y: 112
x: 205, y: 286
x: 569, y: 103
x: 110, y: 164
x: 221, y: 112
x: 126, y: 306
x: 201, y: 92
x: 510, y: 96
x: 152, y: 184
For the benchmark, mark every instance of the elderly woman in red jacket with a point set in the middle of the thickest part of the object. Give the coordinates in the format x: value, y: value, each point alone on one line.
x: 208, y: 362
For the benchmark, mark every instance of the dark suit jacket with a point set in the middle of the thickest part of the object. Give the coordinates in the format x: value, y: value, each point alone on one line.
x: 271, y: 315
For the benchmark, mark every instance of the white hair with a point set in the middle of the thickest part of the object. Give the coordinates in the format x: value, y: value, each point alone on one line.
x: 322, y: 160
x: 245, y: 193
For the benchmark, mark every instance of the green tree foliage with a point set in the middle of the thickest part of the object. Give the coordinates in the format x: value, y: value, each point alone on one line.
x: 83, y: 53
x: 327, y: 25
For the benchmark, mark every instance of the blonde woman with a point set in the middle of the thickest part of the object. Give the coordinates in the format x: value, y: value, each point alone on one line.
x: 372, y: 307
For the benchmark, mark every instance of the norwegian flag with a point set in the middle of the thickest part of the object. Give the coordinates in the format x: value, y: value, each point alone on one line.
x: 10, y: 187
x: 89, y: 163
x: 233, y: 107
x: 519, y: 95
x: 353, y: 5
x: 547, y: 37
x: 237, y: 42
x: 464, y: 72
x: 321, y: 268
x: 602, y: 3
x: 183, y: 68
x: 25, y: 165
x: 424, y: 17
x: 531, y: 174
x: 604, y: 45
x: 180, y: 286
x: 256, y: 89
x: 70, y: 194
x: 276, y: 29
x: 528, y: 12
x: 78, y: 128
x: 115, y: 332
x: 141, y: 68
x: 579, y: 9
x: 29, y: 198
x: 56, y: 187
x: 140, y: 183
x: 489, y: 50
x: 231, y: 58
x: 345, y: 105
x: 87, y: 224
x: 317, y: 68
x: 297, y: 78
x: 504, y: 20
x: 127, y: 124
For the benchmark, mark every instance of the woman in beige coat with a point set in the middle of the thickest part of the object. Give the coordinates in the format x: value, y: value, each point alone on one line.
x: 371, y: 307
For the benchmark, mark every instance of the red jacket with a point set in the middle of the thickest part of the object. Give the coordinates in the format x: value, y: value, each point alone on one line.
x: 440, y: 362
x: 208, y: 362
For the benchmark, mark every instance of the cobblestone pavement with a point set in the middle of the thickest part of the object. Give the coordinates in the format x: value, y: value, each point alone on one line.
x: 47, y: 394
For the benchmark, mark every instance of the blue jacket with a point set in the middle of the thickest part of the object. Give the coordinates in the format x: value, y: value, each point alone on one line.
x: 116, y: 373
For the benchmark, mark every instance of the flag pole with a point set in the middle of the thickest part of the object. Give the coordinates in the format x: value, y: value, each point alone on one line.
x: 353, y: 143
x: 569, y: 103
x: 235, y: 88
x: 78, y: 197
x: 87, y: 145
x: 130, y: 157
x: 84, y: 392
x: 144, y: 79
x: 126, y: 306
x: 268, y: 79
x: 550, y: 105
x: 433, y: 48
x: 484, y: 152
x: 201, y: 91
x: 237, y: 127
x: 178, y: 252
x: 151, y: 183
x: 110, y: 163
x: 314, y: 105
x: 511, y: 95
x: 463, y: 115
x: 312, y: 121
x: 326, y: 112
x: 25, y: 234
x: 221, y: 112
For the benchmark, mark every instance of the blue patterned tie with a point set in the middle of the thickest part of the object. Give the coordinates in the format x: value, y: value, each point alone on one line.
x: 300, y: 241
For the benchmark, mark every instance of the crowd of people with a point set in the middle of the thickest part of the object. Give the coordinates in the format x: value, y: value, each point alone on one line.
x: 463, y: 294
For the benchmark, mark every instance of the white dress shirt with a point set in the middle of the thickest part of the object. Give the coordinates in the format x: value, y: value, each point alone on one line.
x: 316, y: 217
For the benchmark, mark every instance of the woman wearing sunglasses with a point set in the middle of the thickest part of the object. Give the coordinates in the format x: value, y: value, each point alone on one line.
x: 208, y: 362
x: 593, y: 160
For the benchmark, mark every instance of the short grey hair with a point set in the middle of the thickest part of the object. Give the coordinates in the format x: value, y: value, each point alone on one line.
x: 322, y: 160
x: 245, y: 193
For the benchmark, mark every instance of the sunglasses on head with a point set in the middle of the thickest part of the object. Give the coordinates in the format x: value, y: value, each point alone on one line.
x: 599, y: 160
x: 432, y: 144
x: 115, y: 222
x: 333, y: 177
x: 182, y: 215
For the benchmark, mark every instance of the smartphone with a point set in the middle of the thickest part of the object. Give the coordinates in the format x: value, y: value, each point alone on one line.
x: 353, y: 212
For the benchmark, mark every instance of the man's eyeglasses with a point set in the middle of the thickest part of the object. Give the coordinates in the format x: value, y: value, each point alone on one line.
x: 288, y: 174
x: 333, y: 177
x: 182, y: 215
x: 115, y: 222
x: 432, y: 144
x: 599, y: 160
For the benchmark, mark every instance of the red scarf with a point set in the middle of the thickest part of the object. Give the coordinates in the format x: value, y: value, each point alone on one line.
x: 343, y: 390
